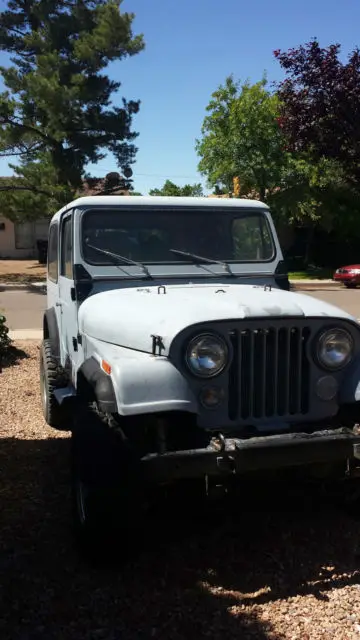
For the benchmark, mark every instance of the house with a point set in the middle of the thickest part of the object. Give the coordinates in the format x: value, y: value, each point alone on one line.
x: 18, y: 239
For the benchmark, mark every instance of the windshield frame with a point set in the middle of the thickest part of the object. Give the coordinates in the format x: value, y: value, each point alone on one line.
x: 233, y: 213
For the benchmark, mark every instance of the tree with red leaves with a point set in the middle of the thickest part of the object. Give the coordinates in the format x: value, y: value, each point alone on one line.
x: 320, y: 105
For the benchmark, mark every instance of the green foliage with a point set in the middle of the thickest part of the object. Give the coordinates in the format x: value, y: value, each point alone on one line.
x: 171, y: 189
x: 56, y: 113
x: 241, y: 138
x: 320, y: 105
x: 4, y: 336
x: 34, y: 191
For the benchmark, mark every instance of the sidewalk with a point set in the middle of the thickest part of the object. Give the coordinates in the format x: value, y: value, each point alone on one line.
x: 26, y: 334
x: 313, y: 285
x: 14, y: 286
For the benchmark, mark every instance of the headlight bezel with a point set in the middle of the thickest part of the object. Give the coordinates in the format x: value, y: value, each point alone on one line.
x: 318, y: 342
x: 214, y: 336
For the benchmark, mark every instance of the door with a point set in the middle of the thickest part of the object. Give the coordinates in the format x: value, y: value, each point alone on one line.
x: 69, y: 308
x: 52, y: 283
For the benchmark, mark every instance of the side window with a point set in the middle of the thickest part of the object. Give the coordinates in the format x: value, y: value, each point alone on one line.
x: 66, y: 249
x: 53, y: 252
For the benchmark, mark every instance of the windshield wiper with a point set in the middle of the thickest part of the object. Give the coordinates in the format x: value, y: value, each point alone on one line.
x: 200, y: 259
x: 121, y: 259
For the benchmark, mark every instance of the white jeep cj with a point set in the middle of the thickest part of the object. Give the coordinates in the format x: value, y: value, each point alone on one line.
x: 173, y: 349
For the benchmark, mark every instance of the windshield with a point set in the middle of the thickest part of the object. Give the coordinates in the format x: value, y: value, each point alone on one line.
x: 148, y: 236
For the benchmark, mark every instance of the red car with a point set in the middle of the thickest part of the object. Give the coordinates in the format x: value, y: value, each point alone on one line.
x: 349, y: 276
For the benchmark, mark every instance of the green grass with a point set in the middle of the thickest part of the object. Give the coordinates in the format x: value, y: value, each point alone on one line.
x: 312, y: 274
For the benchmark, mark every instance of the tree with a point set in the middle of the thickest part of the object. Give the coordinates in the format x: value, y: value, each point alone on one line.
x: 241, y: 138
x: 56, y: 113
x: 171, y: 189
x: 320, y: 105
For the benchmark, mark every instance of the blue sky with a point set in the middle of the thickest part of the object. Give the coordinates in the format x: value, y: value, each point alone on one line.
x: 191, y: 46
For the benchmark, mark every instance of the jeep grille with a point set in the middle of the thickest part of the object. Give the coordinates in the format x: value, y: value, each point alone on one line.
x: 270, y: 373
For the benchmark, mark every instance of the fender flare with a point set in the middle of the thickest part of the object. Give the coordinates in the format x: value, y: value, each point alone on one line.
x: 100, y: 383
x: 51, y: 331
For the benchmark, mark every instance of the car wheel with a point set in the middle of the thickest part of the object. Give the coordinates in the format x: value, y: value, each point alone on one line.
x: 106, y: 488
x: 51, y: 378
x: 350, y: 285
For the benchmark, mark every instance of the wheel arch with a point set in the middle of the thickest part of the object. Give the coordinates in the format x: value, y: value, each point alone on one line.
x: 93, y: 383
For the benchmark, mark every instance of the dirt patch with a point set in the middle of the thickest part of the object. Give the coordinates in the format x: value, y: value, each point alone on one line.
x: 283, y: 567
x: 21, y: 271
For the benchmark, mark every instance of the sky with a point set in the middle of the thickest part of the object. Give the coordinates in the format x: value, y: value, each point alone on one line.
x: 191, y: 47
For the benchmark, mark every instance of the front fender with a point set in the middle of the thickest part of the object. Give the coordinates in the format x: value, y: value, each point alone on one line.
x: 143, y: 383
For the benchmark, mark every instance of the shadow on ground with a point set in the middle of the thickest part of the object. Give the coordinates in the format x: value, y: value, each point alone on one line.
x: 11, y: 356
x: 259, y: 547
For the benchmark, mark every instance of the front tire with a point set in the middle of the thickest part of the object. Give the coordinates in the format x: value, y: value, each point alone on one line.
x: 350, y: 285
x: 106, y: 488
x: 51, y: 378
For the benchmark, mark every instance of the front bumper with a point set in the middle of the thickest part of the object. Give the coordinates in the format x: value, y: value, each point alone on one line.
x: 346, y: 278
x: 227, y: 456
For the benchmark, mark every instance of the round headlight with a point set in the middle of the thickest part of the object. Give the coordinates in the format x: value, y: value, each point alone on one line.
x: 207, y: 355
x: 335, y: 348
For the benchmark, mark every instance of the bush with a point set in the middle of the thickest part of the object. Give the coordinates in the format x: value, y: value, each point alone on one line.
x: 4, y: 337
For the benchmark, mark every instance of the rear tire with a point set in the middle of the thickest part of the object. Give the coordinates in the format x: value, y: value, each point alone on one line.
x: 350, y: 285
x: 51, y: 378
x: 107, y: 489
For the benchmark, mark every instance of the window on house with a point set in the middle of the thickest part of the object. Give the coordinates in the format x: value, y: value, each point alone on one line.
x: 53, y: 248
x: 66, y: 249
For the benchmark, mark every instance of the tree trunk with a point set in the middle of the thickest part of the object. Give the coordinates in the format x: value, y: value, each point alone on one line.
x: 262, y: 194
x: 308, y: 246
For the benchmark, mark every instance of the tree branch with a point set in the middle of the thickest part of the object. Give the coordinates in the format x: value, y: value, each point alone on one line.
x: 23, y: 188
x: 27, y: 127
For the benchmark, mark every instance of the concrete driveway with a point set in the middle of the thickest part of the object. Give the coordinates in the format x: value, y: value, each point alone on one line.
x: 24, y: 309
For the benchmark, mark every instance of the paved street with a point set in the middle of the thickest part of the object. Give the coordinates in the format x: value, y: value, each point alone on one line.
x: 349, y: 300
x: 24, y: 309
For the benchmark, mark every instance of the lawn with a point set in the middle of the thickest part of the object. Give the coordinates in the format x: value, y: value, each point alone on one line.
x: 312, y: 274
x: 21, y: 271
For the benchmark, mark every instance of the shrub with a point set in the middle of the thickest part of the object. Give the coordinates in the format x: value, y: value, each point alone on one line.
x: 4, y: 336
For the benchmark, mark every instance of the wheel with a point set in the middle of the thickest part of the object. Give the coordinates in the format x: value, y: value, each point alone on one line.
x: 350, y: 285
x: 107, y: 488
x: 51, y: 378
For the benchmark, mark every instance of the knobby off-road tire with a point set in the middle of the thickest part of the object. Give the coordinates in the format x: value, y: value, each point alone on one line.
x: 108, y: 499
x: 51, y: 378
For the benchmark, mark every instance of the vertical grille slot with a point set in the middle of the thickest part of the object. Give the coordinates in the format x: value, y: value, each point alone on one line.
x: 269, y: 375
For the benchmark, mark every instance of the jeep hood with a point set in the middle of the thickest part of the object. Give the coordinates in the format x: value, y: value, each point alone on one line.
x: 129, y: 317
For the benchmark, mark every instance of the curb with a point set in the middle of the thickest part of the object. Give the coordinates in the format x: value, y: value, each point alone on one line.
x: 26, y: 334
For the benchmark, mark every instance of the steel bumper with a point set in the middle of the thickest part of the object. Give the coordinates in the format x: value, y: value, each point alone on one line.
x: 235, y: 456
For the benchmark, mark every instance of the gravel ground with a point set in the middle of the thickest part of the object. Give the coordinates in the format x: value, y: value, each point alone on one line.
x: 271, y: 571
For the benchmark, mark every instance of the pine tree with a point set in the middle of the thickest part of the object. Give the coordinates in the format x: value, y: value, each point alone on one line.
x: 56, y: 113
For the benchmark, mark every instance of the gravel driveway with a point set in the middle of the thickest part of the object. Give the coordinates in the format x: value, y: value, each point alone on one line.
x: 271, y: 570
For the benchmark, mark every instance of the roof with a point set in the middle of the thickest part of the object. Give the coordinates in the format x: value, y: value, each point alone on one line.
x: 164, y: 201
x: 94, y: 186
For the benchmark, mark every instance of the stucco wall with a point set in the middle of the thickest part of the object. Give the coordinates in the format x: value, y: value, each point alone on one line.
x: 30, y: 231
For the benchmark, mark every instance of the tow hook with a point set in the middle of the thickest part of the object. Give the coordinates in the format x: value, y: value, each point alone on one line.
x: 225, y: 462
